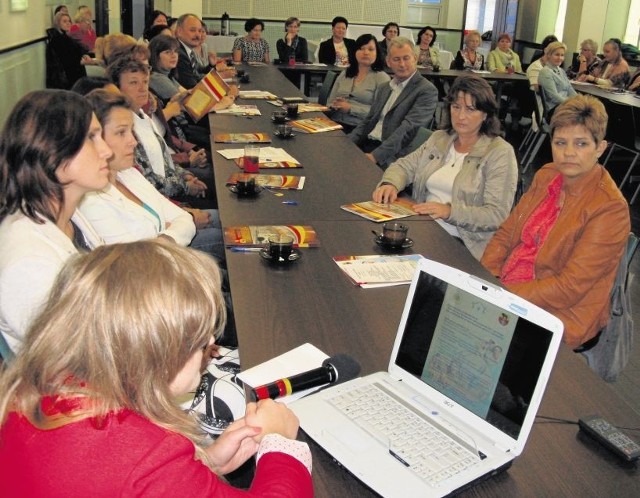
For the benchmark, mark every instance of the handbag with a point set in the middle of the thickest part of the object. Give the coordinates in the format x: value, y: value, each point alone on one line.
x: 611, y: 354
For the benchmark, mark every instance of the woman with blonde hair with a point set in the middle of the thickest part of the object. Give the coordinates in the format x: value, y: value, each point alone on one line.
x: 552, y: 79
x: 469, y: 57
x: 88, y: 407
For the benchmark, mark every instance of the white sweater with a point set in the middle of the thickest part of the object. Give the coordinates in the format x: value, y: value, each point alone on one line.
x: 118, y: 219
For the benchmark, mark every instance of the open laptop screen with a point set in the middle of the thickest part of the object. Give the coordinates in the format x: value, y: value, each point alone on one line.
x: 485, y: 358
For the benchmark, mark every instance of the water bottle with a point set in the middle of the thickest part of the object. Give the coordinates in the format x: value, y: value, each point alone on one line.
x: 224, y: 25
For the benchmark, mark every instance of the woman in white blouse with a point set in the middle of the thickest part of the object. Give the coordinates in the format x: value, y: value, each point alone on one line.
x: 131, y: 208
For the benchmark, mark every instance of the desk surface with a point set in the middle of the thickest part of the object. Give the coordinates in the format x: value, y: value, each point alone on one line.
x: 624, y: 97
x: 311, y: 300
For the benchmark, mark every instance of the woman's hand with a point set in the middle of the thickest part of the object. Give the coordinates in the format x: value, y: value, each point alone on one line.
x: 198, y: 159
x: 226, y: 101
x: 436, y: 210
x: 341, y: 104
x: 201, y: 218
x: 234, y: 446
x: 272, y: 418
x: 195, y: 186
x: 386, y: 194
x: 172, y: 109
x: 582, y: 77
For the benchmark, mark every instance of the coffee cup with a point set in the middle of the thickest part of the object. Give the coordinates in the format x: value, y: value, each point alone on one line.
x: 240, y: 73
x: 285, y: 131
x: 279, y: 116
x: 394, y: 234
x: 280, y: 247
x: 251, y: 161
x: 246, y: 185
x: 292, y: 110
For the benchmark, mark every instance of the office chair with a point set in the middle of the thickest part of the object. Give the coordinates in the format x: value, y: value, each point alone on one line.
x: 327, y: 85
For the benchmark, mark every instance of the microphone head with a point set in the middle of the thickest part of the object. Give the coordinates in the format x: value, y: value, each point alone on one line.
x: 345, y: 366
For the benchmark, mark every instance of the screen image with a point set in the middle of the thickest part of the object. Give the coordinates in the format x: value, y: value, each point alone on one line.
x: 484, y: 358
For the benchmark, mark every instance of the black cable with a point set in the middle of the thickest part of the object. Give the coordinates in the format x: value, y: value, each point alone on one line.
x: 555, y: 420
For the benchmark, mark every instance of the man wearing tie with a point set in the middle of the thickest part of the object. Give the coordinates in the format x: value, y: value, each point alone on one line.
x: 188, y: 33
x: 399, y: 108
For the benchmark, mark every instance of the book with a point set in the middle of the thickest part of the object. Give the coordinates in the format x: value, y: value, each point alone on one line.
x: 205, y: 95
x: 378, y: 212
x: 273, y: 181
x: 257, y: 236
x: 378, y: 271
x: 242, y: 138
x: 241, y: 110
x: 269, y: 164
x: 256, y: 95
x: 311, y: 107
x: 316, y: 125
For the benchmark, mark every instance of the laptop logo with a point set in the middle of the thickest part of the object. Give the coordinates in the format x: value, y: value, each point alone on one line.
x: 448, y: 403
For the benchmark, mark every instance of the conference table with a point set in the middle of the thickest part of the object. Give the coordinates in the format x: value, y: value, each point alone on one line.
x: 278, y: 308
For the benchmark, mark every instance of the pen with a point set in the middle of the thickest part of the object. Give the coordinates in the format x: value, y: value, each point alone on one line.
x: 246, y: 249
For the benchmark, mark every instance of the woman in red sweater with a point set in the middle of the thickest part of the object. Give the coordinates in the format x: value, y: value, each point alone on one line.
x: 88, y: 406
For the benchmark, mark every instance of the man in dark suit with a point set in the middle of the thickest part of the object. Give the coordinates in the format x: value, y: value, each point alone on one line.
x: 399, y: 108
x: 188, y: 33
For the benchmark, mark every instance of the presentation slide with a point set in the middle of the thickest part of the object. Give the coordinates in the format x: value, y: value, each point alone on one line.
x: 468, y: 349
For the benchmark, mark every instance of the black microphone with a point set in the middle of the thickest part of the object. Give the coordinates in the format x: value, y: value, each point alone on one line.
x: 334, y: 370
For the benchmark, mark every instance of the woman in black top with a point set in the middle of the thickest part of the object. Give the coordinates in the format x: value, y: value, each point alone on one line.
x: 336, y: 50
x: 292, y: 45
x: 64, y: 55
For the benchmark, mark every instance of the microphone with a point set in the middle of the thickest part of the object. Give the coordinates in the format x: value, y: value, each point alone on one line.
x: 334, y: 370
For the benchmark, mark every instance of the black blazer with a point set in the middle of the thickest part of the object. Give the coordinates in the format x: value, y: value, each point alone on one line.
x: 327, y: 52
x: 185, y: 74
x: 301, y: 52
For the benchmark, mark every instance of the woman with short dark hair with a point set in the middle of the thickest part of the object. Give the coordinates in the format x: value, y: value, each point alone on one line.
x: 390, y: 31
x: 465, y: 175
x: 335, y: 51
x: 428, y: 55
x: 252, y: 47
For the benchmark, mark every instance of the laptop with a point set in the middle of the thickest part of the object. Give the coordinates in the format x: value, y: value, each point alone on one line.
x: 469, y: 365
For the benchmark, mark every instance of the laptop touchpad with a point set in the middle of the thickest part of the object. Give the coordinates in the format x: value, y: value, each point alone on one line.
x: 356, y: 441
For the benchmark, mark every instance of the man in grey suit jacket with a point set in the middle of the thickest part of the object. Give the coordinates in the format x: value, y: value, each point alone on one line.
x: 399, y: 108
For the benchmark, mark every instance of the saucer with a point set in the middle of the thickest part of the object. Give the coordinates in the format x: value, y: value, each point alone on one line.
x: 278, y: 134
x: 287, y: 118
x: 405, y: 245
x: 234, y: 189
x: 294, y: 256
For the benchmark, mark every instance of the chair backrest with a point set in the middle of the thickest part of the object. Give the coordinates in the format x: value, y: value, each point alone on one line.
x: 546, y: 111
x: 5, y: 351
x: 327, y: 85
x: 421, y: 137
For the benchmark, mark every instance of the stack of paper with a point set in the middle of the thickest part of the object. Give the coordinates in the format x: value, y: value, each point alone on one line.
x: 378, y: 212
x: 379, y: 271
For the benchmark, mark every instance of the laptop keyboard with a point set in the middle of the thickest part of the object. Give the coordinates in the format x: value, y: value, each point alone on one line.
x: 411, y: 439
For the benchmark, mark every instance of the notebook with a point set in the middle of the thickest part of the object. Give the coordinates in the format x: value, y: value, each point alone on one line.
x: 470, y: 362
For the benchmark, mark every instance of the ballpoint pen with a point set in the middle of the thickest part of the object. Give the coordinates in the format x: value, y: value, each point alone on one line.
x: 246, y: 249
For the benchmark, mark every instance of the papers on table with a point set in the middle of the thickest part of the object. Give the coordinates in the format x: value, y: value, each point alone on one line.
x: 267, y: 155
x: 379, y: 212
x: 257, y: 94
x: 241, y: 110
x: 379, y: 271
x: 298, y: 360
x: 285, y: 182
x: 480, y: 71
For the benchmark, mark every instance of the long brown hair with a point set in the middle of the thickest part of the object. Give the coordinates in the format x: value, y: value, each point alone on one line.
x: 44, y: 131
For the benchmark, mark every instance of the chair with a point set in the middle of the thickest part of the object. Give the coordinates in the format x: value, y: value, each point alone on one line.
x: 5, y: 351
x: 421, y: 137
x: 327, y: 85
x: 539, y: 137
